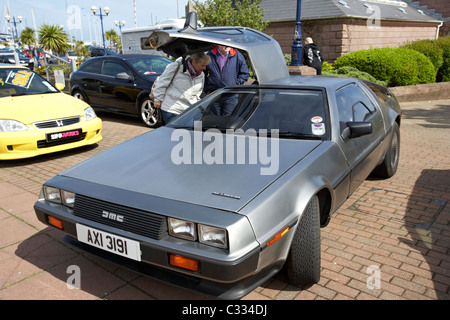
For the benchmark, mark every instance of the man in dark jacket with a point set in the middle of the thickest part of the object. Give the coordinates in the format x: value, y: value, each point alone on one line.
x: 227, y: 68
x: 312, y: 56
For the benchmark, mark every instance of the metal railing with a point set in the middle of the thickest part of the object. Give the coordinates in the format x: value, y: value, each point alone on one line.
x: 71, y: 63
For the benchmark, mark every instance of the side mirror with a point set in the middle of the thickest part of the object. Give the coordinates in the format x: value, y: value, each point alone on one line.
x: 356, y: 129
x: 124, y: 76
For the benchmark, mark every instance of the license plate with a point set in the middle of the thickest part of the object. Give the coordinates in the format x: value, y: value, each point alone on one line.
x: 63, y: 135
x: 109, y: 242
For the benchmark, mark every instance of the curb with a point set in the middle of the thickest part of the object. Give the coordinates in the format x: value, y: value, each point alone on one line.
x: 422, y: 92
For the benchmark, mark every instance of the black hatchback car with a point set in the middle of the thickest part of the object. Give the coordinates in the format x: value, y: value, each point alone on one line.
x: 120, y: 84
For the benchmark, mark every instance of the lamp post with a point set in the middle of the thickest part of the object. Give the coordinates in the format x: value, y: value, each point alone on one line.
x: 297, y: 47
x: 119, y: 24
x: 107, y: 11
x: 19, y: 19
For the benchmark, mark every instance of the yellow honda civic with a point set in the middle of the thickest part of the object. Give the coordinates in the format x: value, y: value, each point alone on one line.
x: 37, y: 118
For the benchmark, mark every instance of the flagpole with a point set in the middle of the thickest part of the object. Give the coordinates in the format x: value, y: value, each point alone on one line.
x: 135, y: 20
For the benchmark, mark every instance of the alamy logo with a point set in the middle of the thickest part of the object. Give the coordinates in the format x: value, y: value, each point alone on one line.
x: 232, y: 147
x: 374, y: 21
x: 74, y: 280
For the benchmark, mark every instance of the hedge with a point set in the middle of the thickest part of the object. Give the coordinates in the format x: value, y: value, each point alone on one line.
x: 352, y: 72
x: 395, y: 66
x: 444, y: 72
x: 430, y: 49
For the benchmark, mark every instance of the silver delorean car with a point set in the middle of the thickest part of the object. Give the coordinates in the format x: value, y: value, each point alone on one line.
x: 220, y: 202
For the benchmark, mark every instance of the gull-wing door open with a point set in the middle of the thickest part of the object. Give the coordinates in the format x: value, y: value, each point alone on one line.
x: 263, y: 51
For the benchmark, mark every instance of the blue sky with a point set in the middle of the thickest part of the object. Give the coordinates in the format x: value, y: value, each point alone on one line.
x: 148, y: 12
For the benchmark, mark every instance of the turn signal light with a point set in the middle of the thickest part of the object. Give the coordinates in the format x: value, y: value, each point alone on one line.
x: 56, y: 222
x: 183, y: 262
x: 277, y: 236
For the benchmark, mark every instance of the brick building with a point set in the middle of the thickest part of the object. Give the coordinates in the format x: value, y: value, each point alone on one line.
x: 343, y: 26
x: 439, y: 9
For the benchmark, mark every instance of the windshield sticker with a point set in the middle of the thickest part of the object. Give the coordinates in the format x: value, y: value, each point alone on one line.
x: 21, y: 78
x: 316, y: 119
x: 318, y: 129
x: 1, y: 82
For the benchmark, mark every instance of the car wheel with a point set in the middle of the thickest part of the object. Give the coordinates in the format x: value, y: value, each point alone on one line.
x: 390, y: 163
x: 79, y: 95
x: 149, y: 115
x: 303, y: 261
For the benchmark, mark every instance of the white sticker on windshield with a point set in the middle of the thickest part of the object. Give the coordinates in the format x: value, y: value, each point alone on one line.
x: 318, y: 129
x: 49, y: 86
x: 316, y: 119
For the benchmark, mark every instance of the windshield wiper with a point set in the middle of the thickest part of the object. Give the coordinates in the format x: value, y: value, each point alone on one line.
x: 298, y: 135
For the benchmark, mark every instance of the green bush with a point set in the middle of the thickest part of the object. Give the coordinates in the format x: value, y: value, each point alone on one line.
x: 395, y: 66
x: 430, y: 49
x: 444, y: 71
x: 352, y: 72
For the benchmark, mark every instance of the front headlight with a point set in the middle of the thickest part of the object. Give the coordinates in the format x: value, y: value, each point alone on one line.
x: 212, y: 236
x: 59, y: 196
x: 68, y: 198
x: 11, y: 125
x: 182, y: 229
x: 89, y: 114
x: 52, y: 194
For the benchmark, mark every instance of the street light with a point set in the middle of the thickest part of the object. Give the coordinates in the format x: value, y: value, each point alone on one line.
x: 107, y: 11
x: 119, y: 24
x: 8, y: 19
x: 297, y: 47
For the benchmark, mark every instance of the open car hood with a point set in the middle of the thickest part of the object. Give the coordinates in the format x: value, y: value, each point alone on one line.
x: 263, y: 51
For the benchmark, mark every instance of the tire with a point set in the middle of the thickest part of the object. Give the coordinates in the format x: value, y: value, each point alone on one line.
x: 303, y: 261
x: 389, y: 166
x: 79, y: 95
x: 148, y: 114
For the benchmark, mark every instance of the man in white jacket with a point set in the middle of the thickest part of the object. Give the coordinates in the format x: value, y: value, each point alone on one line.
x: 178, y: 89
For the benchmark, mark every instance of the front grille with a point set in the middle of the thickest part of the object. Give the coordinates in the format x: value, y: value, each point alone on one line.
x: 57, y: 123
x: 137, y: 221
x: 47, y: 144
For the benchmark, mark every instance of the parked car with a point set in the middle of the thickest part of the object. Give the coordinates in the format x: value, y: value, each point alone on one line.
x: 120, y: 84
x: 220, y: 204
x: 36, y: 118
x: 68, y: 56
x: 95, y: 51
x: 7, y: 56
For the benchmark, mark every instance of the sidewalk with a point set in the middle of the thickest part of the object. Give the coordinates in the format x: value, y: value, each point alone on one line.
x: 396, y: 231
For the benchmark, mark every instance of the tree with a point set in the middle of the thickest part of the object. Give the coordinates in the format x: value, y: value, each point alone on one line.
x: 54, y: 38
x: 111, y: 36
x: 245, y: 13
x: 27, y: 36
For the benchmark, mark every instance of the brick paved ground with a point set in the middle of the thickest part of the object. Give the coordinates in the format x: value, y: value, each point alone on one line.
x: 398, y: 229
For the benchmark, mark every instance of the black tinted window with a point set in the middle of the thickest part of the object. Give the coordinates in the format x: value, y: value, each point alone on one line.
x: 91, y: 66
x: 111, y: 68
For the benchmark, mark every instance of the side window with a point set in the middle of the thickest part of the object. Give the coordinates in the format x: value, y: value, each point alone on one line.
x: 111, y: 68
x: 360, y: 112
x: 381, y: 92
x: 93, y: 66
x: 353, y: 104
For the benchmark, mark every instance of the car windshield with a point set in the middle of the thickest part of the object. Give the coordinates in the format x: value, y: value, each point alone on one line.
x: 18, y: 82
x: 289, y: 113
x: 149, y: 65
